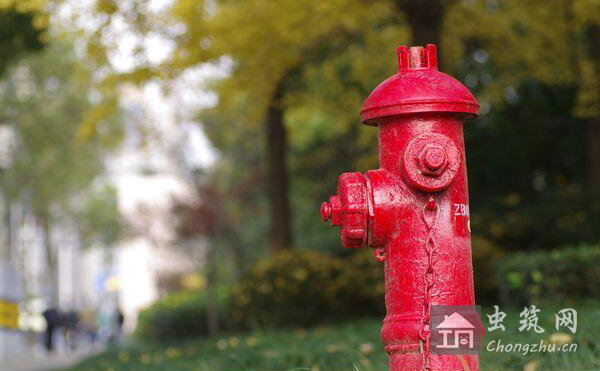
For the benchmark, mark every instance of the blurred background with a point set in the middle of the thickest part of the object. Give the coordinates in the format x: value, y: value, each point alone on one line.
x: 162, y: 164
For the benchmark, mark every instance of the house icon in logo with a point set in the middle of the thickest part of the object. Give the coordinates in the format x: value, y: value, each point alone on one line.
x: 455, y: 327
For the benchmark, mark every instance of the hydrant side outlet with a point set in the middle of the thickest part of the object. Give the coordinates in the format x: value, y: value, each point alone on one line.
x: 414, y: 209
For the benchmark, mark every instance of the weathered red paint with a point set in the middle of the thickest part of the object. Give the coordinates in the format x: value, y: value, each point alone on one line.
x: 414, y: 209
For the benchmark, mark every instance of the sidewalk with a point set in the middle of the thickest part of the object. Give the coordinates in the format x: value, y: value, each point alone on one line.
x: 47, y: 362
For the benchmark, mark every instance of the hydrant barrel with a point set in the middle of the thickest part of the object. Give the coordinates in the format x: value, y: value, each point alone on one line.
x: 414, y: 208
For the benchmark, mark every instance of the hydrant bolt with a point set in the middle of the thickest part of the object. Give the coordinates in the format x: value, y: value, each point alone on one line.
x: 433, y: 159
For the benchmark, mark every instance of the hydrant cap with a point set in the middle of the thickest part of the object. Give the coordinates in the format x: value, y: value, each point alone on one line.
x: 418, y: 87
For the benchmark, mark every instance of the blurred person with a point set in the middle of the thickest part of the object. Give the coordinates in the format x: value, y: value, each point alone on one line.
x: 108, y: 322
x: 119, y: 318
x: 103, y: 323
x: 70, y: 323
x: 52, y: 318
x: 88, y: 326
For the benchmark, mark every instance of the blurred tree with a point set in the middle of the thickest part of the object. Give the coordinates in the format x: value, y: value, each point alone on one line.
x: 266, y: 74
x: 296, y: 34
x: 22, y: 25
x: 426, y: 19
x: 21, y: 31
x: 300, y: 71
x: 198, y: 221
x: 45, y: 100
x: 267, y: 71
x: 592, y: 33
x: 98, y: 218
x: 227, y: 211
x: 551, y: 43
x: 518, y: 57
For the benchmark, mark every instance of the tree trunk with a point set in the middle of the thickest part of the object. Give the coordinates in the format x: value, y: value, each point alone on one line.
x: 425, y: 19
x: 52, y: 264
x: 592, y: 133
x: 281, y: 233
x: 5, y: 245
x: 239, y: 259
x: 592, y: 126
x: 212, y: 300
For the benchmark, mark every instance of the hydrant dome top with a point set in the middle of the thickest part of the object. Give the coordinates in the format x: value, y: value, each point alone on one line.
x: 418, y: 87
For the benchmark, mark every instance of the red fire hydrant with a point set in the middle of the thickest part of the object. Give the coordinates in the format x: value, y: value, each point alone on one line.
x: 414, y: 209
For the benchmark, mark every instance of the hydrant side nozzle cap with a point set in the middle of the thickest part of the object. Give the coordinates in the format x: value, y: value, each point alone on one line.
x: 418, y: 87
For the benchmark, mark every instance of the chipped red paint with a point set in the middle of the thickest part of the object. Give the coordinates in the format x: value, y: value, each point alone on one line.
x: 414, y: 209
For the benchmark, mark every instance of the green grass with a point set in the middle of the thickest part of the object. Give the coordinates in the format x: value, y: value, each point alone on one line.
x: 350, y: 346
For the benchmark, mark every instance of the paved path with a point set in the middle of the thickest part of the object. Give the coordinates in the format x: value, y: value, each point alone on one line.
x: 47, y: 362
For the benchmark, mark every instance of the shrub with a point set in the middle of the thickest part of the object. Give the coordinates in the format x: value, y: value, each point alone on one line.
x: 543, y: 276
x: 485, y: 255
x: 177, y: 316
x: 304, y: 287
x: 366, y: 280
